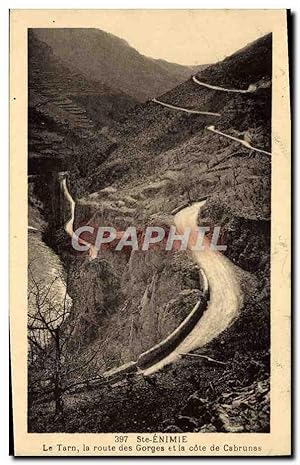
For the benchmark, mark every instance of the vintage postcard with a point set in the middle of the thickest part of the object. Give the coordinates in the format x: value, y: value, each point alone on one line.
x: 150, y: 166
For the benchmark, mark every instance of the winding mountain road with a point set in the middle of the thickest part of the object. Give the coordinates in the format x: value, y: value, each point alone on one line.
x: 186, y: 110
x: 212, y: 128
x: 225, y: 294
x: 70, y: 222
x: 241, y: 141
x: 251, y: 89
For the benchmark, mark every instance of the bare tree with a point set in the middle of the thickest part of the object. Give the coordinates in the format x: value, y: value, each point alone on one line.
x: 56, y: 359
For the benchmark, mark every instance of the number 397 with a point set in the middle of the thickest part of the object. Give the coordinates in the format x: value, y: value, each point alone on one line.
x: 121, y: 438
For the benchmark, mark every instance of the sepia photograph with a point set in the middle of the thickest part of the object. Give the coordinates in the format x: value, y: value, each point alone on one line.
x: 149, y: 220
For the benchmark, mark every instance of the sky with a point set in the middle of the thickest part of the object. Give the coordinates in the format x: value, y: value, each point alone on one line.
x: 187, y: 37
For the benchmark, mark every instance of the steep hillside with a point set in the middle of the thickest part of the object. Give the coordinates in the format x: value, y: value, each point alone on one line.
x: 68, y: 116
x: 174, y: 149
x: 164, y: 159
x: 103, y: 57
x: 62, y: 102
x: 183, y: 72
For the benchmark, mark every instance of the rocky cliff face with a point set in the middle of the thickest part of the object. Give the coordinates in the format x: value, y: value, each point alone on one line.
x: 144, y: 166
x: 178, y: 161
x: 128, y: 304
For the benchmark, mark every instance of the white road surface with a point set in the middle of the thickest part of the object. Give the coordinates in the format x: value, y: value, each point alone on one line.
x: 70, y: 222
x: 186, y: 110
x: 225, y: 294
x: 241, y: 141
x: 252, y: 87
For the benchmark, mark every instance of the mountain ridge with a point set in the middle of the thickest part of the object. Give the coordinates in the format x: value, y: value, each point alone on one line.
x: 103, y: 57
